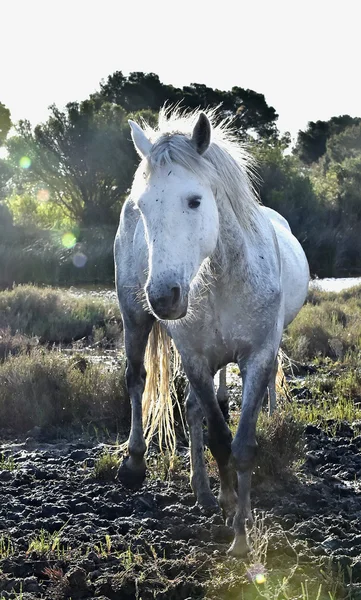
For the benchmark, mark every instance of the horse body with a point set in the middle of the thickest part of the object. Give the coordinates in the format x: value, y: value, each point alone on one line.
x: 224, y: 276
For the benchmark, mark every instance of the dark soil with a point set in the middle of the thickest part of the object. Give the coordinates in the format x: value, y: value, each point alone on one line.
x: 114, y: 544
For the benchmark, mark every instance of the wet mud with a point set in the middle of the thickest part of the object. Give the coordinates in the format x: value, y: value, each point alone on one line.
x: 66, y: 534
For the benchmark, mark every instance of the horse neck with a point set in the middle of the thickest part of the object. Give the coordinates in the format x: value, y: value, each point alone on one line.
x: 235, y: 243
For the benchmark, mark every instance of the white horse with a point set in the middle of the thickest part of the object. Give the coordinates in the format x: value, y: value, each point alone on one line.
x: 197, y: 253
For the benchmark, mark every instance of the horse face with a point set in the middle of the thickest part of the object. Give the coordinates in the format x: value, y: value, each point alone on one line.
x: 180, y: 218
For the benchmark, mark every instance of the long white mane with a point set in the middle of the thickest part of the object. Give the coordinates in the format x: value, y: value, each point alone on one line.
x: 226, y: 165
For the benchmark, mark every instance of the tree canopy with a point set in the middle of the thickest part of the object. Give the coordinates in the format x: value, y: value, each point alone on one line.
x: 140, y: 91
x: 5, y: 123
x: 82, y: 156
x: 312, y: 143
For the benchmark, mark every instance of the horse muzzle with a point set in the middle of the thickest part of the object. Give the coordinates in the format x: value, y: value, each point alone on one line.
x: 168, y: 303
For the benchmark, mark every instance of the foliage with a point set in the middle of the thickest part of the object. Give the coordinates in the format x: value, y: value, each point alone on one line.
x: 312, y: 143
x: 5, y: 123
x: 141, y: 91
x: 35, y: 208
x: 30, y: 255
x: 6, y: 173
x: 75, y: 170
x: 82, y: 157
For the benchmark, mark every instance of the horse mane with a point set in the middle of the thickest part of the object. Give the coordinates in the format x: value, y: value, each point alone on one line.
x: 226, y: 165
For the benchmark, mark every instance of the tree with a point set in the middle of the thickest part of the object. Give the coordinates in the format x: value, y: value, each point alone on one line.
x: 83, y: 156
x: 312, y: 143
x: 5, y: 123
x: 6, y: 173
x: 142, y: 91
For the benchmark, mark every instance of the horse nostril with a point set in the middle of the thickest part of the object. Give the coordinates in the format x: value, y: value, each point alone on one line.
x: 175, y: 295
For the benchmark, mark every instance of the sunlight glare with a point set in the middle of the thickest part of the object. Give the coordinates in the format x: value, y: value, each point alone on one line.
x: 25, y: 162
x: 68, y: 240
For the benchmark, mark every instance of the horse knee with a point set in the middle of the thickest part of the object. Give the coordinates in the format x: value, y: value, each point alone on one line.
x: 223, y: 405
x: 193, y: 410
x: 244, y: 457
x: 135, y: 375
x: 219, y: 442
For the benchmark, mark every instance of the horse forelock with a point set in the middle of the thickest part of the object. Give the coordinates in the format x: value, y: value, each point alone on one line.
x: 226, y: 166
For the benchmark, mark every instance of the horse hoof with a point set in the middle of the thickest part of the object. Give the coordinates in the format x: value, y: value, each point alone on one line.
x: 131, y: 478
x: 239, y: 547
x: 229, y: 521
x: 208, y: 504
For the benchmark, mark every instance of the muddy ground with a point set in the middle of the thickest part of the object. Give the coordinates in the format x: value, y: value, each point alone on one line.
x: 65, y: 534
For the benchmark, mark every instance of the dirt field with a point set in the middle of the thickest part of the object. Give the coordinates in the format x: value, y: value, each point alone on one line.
x: 65, y: 534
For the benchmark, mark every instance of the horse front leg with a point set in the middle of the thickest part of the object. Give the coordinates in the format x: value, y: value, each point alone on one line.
x: 132, y: 471
x: 244, y: 445
x: 219, y: 435
x: 199, y: 478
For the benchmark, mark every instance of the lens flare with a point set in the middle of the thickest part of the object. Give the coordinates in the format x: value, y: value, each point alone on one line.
x: 25, y: 162
x: 257, y: 574
x: 43, y: 195
x: 68, y: 240
x: 79, y: 260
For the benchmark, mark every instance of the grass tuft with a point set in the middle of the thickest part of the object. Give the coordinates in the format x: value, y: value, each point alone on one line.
x: 106, y: 466
x: 280, y: 444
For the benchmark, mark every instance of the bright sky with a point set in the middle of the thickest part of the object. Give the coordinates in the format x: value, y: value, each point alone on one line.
x: 303, y: 55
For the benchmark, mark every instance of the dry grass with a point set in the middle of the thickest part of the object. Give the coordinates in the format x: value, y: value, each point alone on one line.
x: 280, y: 444
x: 329, y: 325
x: 54, y: 315
x: 45, y: 389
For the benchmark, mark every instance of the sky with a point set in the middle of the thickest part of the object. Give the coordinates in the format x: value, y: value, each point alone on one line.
x: 303, y: 55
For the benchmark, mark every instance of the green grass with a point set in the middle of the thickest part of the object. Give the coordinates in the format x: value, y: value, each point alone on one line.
x: 6, y: 546
x: 54, y: 315
x: 45, y: 389
x: 335, y: 395
x: 106, y: 466
x: 7, y: 464
x: 48, y: 544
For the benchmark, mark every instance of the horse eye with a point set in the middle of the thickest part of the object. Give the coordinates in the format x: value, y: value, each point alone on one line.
x: 194, y: 202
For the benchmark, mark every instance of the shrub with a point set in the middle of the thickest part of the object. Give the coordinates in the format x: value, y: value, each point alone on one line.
x: 54, y: 316
x: 280, y: 444
x: 39, y: 257
x: 44, y: 389
x: 329, y: 325
x: 15, y: 344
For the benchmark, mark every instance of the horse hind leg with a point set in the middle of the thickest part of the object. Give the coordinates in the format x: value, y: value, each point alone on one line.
x: 222, y: 393
x: 272, y: 396
x: 133, y: 469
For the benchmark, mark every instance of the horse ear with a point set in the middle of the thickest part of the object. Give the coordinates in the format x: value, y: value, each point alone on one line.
x: 201, y: 136
x: 140, y: 140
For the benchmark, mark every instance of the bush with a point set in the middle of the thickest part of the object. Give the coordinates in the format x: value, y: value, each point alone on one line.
x: 328, y: 325
x: 43, y: 389
x: 53, y: 315
x: 15, y: 344
x: 39, y: 257
x: 280, y: 444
